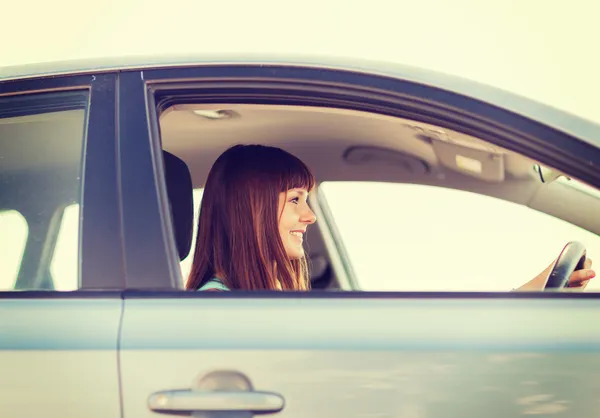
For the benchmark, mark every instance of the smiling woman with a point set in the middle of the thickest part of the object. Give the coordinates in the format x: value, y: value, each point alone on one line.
x: 253, y: 214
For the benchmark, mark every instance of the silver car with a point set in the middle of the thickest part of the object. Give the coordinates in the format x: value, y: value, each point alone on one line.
x: 102, y: 165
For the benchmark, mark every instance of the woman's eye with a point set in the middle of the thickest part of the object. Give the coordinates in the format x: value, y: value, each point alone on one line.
x: 294, y: 200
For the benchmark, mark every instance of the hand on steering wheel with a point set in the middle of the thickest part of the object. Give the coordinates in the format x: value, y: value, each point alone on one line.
x: 571, y: 269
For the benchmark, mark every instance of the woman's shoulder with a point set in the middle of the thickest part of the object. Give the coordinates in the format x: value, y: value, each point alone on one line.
x: 214, y: 284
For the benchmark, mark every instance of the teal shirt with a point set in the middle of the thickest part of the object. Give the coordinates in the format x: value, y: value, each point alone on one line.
x: 214, y: 284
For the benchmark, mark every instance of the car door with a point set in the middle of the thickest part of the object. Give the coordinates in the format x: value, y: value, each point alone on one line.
x: 60, y: 248
x: 341, y: 354
x: 359, y: 355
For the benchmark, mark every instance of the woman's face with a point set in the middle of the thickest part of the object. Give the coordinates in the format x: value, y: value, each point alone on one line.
x: 295, y: 217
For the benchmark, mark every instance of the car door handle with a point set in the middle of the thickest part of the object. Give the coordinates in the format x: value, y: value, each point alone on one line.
x: 181, y: 401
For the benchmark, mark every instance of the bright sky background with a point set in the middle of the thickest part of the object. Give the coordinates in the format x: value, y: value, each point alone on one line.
x: 545, y: 50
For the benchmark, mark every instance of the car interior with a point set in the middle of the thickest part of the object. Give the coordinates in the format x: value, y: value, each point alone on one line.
x: 337, y: 145
x: 350, y: 145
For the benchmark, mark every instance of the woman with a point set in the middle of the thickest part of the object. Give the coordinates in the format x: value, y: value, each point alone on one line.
x: 253, y: 217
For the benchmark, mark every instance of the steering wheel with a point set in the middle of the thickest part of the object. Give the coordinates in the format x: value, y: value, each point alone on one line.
x: 571, y: 258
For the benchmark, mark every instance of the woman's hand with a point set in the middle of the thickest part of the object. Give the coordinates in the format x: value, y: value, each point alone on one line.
x: 577, y: 282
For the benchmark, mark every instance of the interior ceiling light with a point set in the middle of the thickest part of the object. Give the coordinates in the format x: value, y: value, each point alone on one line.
x: 216, y: 114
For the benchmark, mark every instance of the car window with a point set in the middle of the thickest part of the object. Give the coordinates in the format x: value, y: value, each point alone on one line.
x: 41, y: 144
x: 405, y: 237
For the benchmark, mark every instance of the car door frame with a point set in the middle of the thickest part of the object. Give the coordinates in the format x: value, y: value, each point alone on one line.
x: 554, y: 138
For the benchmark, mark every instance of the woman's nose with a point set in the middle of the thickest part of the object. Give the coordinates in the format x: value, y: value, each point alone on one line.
x: 309, y: 216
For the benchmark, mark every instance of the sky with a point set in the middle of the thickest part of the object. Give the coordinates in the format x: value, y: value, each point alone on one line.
x: 544, y: 50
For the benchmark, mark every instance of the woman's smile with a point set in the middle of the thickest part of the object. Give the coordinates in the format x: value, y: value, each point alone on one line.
x: 295, y: 216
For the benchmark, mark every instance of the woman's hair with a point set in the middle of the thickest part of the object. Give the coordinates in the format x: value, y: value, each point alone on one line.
x: 238, y: 227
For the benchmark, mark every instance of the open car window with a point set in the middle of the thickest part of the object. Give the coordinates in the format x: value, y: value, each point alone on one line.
x: 407, y: 237
x: 398, y: 236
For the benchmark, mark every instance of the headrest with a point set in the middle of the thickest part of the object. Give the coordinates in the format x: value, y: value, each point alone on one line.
x: 180, y: 193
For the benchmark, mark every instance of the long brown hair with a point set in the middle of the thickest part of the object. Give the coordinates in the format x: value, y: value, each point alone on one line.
x: 238, y: 234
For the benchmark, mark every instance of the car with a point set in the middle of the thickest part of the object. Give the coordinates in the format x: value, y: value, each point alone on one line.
x: 421, y: 177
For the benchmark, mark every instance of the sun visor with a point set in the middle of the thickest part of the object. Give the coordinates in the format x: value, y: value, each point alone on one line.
x: 482, y: 163
x: 389, y: 157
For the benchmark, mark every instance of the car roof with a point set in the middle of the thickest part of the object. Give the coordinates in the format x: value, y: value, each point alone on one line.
x: 576, y: 126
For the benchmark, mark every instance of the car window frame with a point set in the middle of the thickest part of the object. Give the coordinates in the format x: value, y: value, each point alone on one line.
x: 155, y: 89
x: 99, y: 264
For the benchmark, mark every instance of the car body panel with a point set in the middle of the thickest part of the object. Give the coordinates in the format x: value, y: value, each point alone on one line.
x: 59, y: 357
x: 371, y: 357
